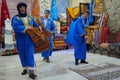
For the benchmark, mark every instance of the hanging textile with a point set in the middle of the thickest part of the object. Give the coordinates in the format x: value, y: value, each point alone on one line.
x: 102, y: 33
x: 99, y: 27
x: 35, y: 9
x: 62, y: 8
x: 74, y: 12
x: 103, y: 29
x: 98, y: 7
x: 4, y: 15
x: 44, y: 5
x: 91, y: 17
x: 9, y: 44
x: 54, y: 11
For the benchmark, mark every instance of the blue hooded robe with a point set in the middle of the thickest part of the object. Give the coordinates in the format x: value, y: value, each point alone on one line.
x: 79, y: 40
x: 70, y: 36
x: 51, y: 27
x: 24, y: 43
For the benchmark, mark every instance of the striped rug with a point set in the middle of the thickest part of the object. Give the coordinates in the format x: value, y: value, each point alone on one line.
x: 102, y: 71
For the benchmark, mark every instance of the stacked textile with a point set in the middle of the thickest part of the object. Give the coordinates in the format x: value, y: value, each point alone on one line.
x: 63, y: 28
x: 59, y: 42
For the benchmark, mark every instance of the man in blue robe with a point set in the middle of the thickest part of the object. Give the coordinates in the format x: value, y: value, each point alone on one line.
x: 80, y: 36
x: 25, y: 46
x: 49, y: 25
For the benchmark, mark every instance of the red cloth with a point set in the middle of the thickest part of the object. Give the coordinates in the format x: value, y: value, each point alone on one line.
x: 105, y: 34
x: 63, y: 28
x: 4, y: 15
x: 104, y: 29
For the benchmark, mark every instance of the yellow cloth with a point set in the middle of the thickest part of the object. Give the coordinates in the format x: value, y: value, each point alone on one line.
x: 26, y: 22
x: 88, y: 30
x: 74, y: 12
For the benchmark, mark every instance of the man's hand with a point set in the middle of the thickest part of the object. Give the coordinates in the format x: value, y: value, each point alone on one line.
x: 29, y: 27
x: 40, y: 29
x: 85, y: 36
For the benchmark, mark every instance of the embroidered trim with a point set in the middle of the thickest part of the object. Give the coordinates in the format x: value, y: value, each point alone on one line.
x: 29, y: 18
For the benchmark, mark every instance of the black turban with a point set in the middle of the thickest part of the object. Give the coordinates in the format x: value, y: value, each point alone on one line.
x: 18, y: 8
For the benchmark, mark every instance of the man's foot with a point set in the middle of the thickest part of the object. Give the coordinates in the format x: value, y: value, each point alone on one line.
x: 47, y: 60
x: 76, y: 61
x: 24, y: 72
x: 83, y: 61
x: 32, y: 76
x: 44, y: 59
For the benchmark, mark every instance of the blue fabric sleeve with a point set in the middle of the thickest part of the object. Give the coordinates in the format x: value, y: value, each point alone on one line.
x: 79, y: 28
x: 17, y: 28
x: 35, y: 24
x: 83, y: 22
x: 52, y: 26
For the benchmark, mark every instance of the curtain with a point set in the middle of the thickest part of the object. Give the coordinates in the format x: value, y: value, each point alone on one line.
x: 4, y: 15
x: 54, y: 11
x: 60, y: 7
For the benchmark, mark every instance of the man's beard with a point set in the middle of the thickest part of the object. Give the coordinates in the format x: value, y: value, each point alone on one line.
x: 22, y: 14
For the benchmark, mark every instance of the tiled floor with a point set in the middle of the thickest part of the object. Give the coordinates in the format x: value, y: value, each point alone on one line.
x: 58, y: 69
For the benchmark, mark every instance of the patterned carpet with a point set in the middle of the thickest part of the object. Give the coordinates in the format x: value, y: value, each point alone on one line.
x: 102, y: 71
